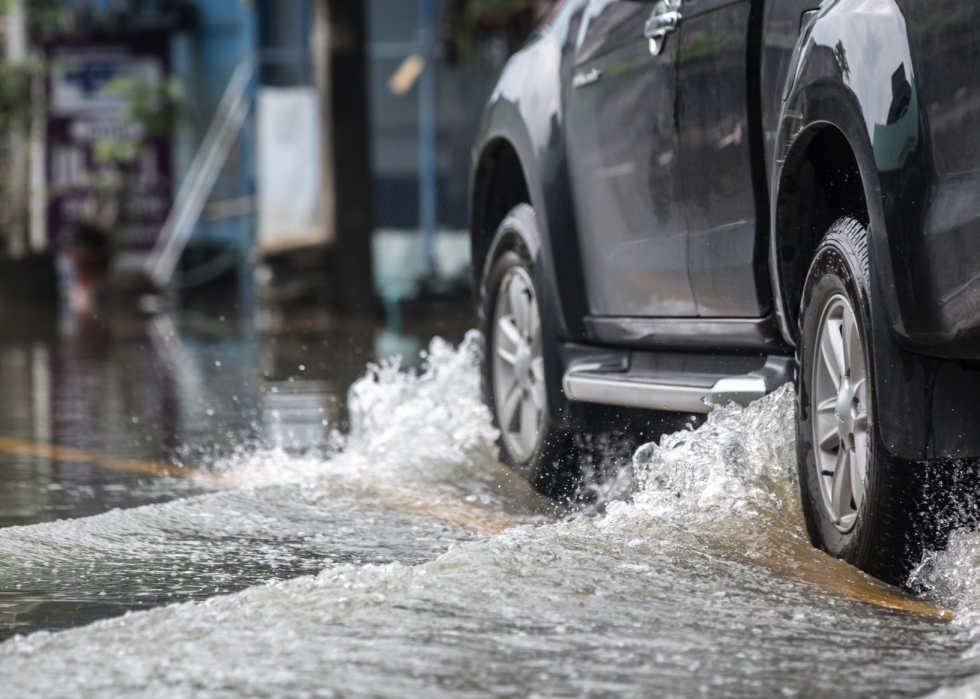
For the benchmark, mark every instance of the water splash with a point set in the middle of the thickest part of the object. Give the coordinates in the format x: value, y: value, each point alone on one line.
x: 703, y: 583
x: 740, y: 458
x: 953, y: 575
x: 424, y: 438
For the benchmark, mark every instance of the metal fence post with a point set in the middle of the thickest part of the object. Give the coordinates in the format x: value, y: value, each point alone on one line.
x: 427, y: 133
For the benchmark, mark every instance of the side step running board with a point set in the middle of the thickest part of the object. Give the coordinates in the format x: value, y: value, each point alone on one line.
x: 588, y: 384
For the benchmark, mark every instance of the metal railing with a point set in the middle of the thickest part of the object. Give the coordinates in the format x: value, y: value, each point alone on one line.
x: 201, y: 177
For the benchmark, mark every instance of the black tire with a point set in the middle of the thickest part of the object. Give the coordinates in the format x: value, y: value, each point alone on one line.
x: 882, y: 538
x: 552, y: 465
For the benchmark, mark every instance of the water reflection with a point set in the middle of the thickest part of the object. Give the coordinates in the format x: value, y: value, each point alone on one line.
x: 126, y: 397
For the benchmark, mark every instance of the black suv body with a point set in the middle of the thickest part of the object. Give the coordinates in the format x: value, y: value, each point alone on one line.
x: 686, y: 184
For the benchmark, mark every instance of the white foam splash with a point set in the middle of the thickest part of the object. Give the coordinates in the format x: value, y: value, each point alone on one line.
x: 953, y: 575
x: 739, y: 457
x: 435, y: 424
x: 426, y: 431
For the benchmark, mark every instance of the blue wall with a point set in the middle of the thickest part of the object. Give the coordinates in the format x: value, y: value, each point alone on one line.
x: 204, y: 61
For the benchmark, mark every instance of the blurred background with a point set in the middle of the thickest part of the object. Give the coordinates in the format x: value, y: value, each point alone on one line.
x: 213, y: 215
x: 288, y: 154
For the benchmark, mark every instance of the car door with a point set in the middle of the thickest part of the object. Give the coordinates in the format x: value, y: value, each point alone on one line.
x: 727, y: 239
x: 623, y: 151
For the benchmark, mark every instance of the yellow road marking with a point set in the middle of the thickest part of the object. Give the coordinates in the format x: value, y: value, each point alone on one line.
x: 57, y: 453
x: 796, y: 558
x: 396, y: 498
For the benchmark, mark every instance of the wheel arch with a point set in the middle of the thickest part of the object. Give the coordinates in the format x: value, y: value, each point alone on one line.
x: 819, y: 183
x: 498, y: 185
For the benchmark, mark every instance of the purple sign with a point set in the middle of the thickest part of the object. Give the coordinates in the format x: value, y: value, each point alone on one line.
x: 87, y: 114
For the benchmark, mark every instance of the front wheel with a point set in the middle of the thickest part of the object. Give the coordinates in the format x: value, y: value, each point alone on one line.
x: 518, y: 364
x: 514, y: 375
x: 855, y: 493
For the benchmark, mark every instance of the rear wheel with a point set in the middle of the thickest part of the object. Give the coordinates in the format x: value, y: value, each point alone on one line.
x: 839, y: 409
x: 856, y: 495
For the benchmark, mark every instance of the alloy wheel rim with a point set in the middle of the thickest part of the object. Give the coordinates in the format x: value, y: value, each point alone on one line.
x: 518, y: 365
x: 839, y: 405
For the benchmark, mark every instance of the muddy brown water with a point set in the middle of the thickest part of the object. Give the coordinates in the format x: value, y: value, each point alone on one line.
x: 193, y: 508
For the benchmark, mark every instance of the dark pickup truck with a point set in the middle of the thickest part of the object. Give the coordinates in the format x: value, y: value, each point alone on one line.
x: 681, y: 203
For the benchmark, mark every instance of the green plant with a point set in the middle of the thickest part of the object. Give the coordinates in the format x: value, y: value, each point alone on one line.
x: 156, y: 108
x: 467, y: 22
x: 17, y: 103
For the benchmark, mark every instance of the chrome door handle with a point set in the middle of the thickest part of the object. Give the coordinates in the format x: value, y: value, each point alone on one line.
x: 659, y: 26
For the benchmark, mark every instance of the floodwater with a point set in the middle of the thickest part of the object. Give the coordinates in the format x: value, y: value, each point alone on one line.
x: 193, y: 509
